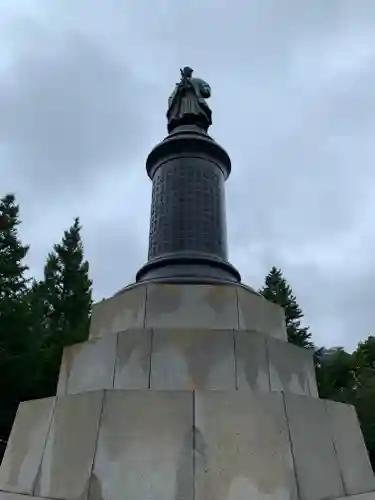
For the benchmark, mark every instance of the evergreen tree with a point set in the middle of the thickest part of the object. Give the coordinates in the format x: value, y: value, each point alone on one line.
x: 17, y: 344
x: 277, y: 290
x: 13, y: 282
x: 37, y: 319
x: 336, y: 375
x: 350, y: 378
x: 365, y: 355
x: 67, y: 301
x: 364, y: 401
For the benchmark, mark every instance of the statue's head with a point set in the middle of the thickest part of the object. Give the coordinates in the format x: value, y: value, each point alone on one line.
x: 187, y: 71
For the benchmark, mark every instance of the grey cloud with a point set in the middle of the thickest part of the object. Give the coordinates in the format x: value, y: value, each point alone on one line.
x: 69, y: 112
x: 126, y: 250
x: 292, y: 103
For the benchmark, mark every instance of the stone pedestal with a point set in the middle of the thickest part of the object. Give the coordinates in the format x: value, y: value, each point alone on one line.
x: 186, y: 392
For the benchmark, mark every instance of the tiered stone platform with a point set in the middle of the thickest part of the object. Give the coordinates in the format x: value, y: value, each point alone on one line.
x: 186, y: 392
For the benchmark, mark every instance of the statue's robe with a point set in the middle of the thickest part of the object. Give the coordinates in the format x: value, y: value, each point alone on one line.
x: 187, y: 105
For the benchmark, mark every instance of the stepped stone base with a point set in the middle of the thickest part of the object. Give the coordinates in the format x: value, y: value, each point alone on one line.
x: 169, y: 444
x: 154, y: 407
x: 216, y: 307
x: 187, y: 359
x: 15, y: 496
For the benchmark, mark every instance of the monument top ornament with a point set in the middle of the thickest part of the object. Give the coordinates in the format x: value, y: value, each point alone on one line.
x: 187, y: 104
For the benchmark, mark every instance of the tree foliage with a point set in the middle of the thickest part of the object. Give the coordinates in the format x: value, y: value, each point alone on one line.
x: 67, y: 295
x: 17, y: 344
x: 350, y: 378
x: 277, y: 290
x: 13, y: 282
x: 37, y: 318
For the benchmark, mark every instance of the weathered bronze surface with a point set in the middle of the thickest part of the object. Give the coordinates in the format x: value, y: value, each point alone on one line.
x: 187, y: 239
x: 187, y: 104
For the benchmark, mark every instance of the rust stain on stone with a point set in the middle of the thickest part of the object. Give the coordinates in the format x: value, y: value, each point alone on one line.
x: 289, y: 363
x: 251, y: 373
x: 133, y: 300
x: 251, y: 358
x: 184, y: 470
x: 200, y: 351
x: 95, y: 489
x: 163, y: 299
x: 201, y: 356
x: 132, y: 343
x: 219, y: 297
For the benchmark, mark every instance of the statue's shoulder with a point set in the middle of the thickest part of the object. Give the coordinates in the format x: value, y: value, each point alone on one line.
x: 202, y: 86
x: 200, y: 81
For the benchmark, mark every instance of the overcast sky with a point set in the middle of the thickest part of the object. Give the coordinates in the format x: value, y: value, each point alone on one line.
x: 83, y: 92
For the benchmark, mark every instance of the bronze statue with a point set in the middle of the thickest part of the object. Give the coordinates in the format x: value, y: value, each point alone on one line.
x: 187, y: 105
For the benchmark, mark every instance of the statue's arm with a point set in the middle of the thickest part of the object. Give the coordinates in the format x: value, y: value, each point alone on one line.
x: 205, y: 90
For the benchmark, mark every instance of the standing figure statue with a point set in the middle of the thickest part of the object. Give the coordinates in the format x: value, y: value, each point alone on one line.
x: 187, y: 105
